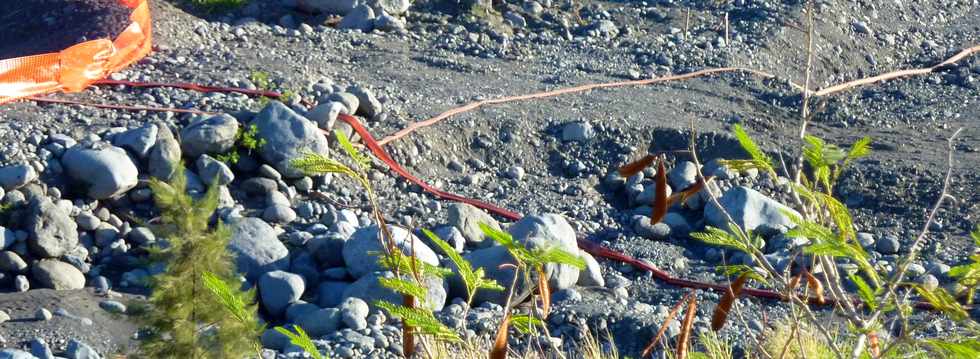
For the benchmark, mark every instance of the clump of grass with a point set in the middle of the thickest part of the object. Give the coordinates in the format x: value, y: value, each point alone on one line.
x: 805, y: 342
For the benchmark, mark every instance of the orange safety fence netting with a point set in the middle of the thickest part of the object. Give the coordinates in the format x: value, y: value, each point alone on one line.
x: 75, y: 68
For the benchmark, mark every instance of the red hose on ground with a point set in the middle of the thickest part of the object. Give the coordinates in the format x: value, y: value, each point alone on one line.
x: 592, y: 248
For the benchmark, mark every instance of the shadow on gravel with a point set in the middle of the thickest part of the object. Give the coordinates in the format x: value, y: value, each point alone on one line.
x: 41, y: 26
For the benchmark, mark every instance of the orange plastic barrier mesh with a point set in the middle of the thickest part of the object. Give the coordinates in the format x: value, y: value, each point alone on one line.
x: 75, y: 68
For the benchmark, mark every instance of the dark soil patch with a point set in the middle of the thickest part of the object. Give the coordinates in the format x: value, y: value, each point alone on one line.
x: 41, y: 26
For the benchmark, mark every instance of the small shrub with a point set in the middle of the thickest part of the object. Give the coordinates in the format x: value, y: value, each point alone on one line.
x: 183, y: 319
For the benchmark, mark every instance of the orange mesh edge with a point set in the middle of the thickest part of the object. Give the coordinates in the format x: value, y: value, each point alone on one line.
x: 75, y: 68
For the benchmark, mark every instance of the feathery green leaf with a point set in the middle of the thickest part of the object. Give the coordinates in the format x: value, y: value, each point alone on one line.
x: 943, y: 301
x: 402, y: 286
x: 525, y: 323
x: 760, y: 158
x: 421, y: 320
x: 302, y: 340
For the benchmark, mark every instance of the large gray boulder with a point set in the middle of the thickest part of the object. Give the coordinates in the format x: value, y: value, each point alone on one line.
x: 288, y: 136
x: 360, y: 249
x: 164, y: 155
x: 330, y: 293
x: 279, y: 289
x: 467, y: 219
x: 536, y: 231
x: 393, y: 7
x: 369, y: 289
x: 51, y: 232
x: 546, y: 231
x: 57, y: 275
x: 257, y: 248
x: 138, y: 140
x: 15, y: 176
x: 212, y: 135
x: 80, y: 350
x: 361, y: 18
x: 106, y: 171
x: 320, y: 322
x: 749, y: 209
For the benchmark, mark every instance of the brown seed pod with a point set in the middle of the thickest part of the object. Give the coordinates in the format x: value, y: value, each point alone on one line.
x: 814, y: 284
x: 663, y: 327
x: 408, y: 334
x: 544, y: 291
x: 660, y: 202
x: 683, y: 341
x: 725, y: 305
x: 499, y: 350
x: 794, y: 282
x: 873, y: 344
x: 632, y: 168
x: 691, y: 190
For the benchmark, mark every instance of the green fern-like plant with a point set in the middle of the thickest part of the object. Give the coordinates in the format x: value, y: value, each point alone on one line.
x: 186, y: 316
x: 968, y: 275
x: 473, y: 280
x: 302, y: 340
x: 417, y: 319
x: 759, y: 160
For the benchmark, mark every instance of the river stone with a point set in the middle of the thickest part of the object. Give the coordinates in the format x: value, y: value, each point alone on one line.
x: 364, y: 241
x: 369, y: 289
x: 138, y: 140
x: 279, y: 289
x: 15, y: 176
x: 288, y: 136
x: 368, y: 106
x: 535, y: 231
x: 320, y: 322
x: 467, y: 219
x: 210, y: 170
x: 52, y: 232
x: 7, y: 238
x: 107, y: 172
x: 57, y: 275
x: 361, y: 18
x: 545, y: 231
x: 165, y: 154
x: 80, y: 350
x: 592, y: 276
x: 325, y: 114
x: 12, y: 263
x: 211, y: 135
x: 393, y: 7
x: 257, y: 248
x: 749, y: 208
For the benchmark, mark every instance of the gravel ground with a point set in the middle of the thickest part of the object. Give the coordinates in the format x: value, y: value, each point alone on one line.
x: 27, y: 25
x: 441, y: 60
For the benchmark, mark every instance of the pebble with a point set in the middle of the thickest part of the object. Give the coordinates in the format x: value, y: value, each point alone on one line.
x: 42, y: 314
x: 112, y: 306
x: 888, y: 244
